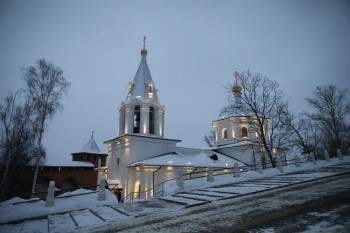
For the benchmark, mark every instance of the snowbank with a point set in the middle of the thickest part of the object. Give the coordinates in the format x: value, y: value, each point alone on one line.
x: 18, y: 208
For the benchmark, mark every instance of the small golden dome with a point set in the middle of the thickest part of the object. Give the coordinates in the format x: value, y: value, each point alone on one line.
x: 144, y: 51
x: 236, y: 88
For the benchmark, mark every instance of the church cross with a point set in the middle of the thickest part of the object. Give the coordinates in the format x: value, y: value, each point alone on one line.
x: 236, y: 76
x: 144, y: 42
x: 92, y: 134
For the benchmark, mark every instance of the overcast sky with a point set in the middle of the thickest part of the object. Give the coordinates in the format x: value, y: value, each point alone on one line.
x: 193, y: 49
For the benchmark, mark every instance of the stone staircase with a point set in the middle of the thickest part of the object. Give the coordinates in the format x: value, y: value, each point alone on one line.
x: 203, y: 196
x: 69, y: 221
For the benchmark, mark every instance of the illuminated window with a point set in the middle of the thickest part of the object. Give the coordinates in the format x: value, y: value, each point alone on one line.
x: 151, y: 120
x: 150, y: 91
x: 224, y: 134
x: 244, y: 132
x: 137, y: 118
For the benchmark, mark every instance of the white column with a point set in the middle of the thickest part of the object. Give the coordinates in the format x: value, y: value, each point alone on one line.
x: 50, y: 200
x: 163, y: 113
x: 160, y: 123
x: 144, y: 120
x: 101, y: 196
x: 128, y: 120
x: 98, y: 171
x: 121, y: 121
x: 156, y: 122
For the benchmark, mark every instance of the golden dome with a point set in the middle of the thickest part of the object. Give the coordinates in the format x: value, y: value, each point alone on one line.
x: 236, y: 88
x: 144, y: 51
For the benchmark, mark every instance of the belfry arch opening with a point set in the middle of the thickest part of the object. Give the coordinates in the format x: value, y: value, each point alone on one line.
x: 151, y: 120
x: 137, y: 119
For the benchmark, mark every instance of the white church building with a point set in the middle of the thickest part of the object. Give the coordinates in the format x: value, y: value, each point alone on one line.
x: 141, y: 157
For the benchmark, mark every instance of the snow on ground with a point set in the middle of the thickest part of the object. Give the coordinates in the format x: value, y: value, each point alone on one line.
x: 331, y: 221
x: 17, y: 208
x: 171, y: 187
x: 328, y: 227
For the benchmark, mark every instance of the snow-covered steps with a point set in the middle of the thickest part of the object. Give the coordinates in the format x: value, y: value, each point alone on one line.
x: 239, y: 189
x: 29, y: 226
x: 187, y: 202
x: 108, y: 213
x: 284, y: 179
x: 309, y: 175
x: 37, y: 226
x: 85, y: 218
x: 11, y: 227
x: 210, y: 193
x: 61, y: 222
x: 269, y: 182
x: 196, y: 196
x: 82, y: 218
x: 145, y: 208
x: 202, y: 196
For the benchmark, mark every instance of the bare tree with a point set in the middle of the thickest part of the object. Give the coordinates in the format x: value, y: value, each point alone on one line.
x: 45, y: 87
x: 210, y: 138
x: 17, y: 138
x: 262, y: 103
x: 330, y: 111
x: 302, y: 133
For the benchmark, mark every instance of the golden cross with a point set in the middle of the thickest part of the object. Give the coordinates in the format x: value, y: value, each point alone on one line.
x: 236, y: 76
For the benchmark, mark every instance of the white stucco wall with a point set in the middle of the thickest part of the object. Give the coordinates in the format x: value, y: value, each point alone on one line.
x: 130, y: 149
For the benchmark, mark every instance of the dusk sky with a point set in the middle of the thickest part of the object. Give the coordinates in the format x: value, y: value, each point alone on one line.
x: 194, y: 47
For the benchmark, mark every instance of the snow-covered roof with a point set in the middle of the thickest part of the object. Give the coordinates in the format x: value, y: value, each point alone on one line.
x: 90, y: 147
x: 189, y: 157
x: 68, y: 164
x: 240, y: 143
x: 138, y: 89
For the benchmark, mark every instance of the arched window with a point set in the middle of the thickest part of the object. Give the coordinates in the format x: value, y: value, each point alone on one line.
x: 244, y: 132
x: 224, y: 134
x: 151, y: 120
x: 150, y: 88
x: 137, y: 119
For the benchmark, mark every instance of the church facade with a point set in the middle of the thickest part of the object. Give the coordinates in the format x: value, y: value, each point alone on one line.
x: 141, y: 157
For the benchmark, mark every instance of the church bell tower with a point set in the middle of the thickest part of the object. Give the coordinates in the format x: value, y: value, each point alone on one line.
x: 141, y: 133
x: 141, y: 113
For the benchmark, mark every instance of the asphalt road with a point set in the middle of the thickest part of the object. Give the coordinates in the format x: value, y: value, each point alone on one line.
x: 286, y: 209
